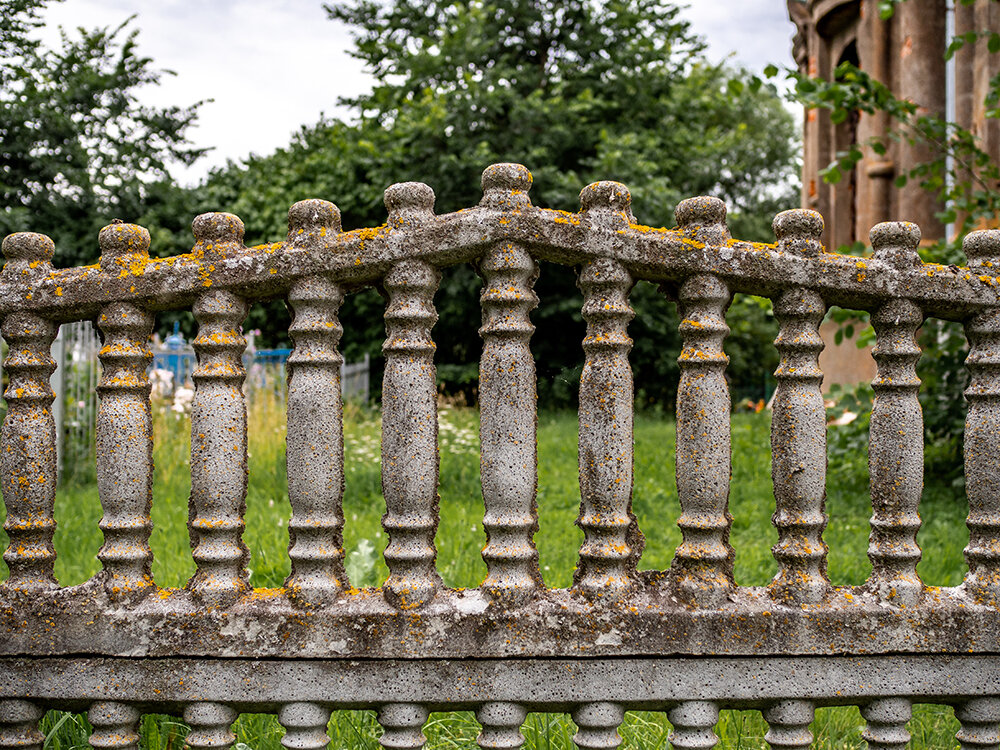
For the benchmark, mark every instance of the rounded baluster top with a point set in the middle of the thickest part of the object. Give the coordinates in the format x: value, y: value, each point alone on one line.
x: 607, y: 197
x: 408, y: 203
x: 982, y: 248
x: 799, y: 231
x: 217, y: 229
x: 310, y: 218
x: 506, y: 186
x: 124, y: 247
x: 895, y: 243
x: 27, y: 250
x: 703, y: 218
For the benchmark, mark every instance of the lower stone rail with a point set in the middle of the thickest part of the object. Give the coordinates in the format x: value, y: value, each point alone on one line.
x: 209, y: 693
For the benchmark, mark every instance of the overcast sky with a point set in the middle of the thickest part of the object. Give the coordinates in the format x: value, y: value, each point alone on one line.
x: 271, y: 66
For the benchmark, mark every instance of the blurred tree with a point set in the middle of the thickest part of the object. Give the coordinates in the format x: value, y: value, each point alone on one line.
x: 76, y: 147
x: 577, y: 91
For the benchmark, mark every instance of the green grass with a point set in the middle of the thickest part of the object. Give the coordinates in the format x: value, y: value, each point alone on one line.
x: 460, y: 537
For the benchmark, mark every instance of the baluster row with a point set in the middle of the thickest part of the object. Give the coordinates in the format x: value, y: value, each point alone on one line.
x: 116, y: 725
x: 701, y: 574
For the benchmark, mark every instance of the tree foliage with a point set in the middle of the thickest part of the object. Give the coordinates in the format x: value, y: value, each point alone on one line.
x: 77, y: 149
x: 577, y: 91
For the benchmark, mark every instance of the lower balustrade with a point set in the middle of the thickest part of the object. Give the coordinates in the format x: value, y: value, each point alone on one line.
x: 209, y: 694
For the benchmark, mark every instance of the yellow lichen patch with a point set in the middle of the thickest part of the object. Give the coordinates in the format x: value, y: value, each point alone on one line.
x: 562, y: 217
x: 760, y: 247
x: 260, y: 594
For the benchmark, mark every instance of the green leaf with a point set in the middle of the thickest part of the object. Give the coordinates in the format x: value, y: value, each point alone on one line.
x: 901, y: 181
x: 735, y: 87
x: 770, y: 71
x: 993, y: 45
x: 838, y: 116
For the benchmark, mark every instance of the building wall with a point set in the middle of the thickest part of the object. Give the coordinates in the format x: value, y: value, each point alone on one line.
x: 906, y: 52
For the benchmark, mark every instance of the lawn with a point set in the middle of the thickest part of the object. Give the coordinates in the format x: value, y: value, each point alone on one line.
x: 460, y: 537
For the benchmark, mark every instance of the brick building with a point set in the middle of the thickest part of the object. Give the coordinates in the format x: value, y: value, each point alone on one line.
x: 906, y: 53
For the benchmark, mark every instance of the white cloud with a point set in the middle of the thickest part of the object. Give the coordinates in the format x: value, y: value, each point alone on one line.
x: 754, y: 32
x: 269, y: 67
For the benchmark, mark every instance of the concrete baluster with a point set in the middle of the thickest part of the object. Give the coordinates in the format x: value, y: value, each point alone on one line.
x: 597, y: 726
x: 507, y: 402
x: 19, y: 725
x: 980, y: 724
x: 982, y: 457
x: 612, y: 539
x: 896, y: 431
x: 788, y: 725
x: 219, y: 424
x: 887, y: 719
x: 501, y: 724
x: 315, y: 430
x: 28, y: 461
x: 211, y: 726
x: 116, y: 725
x: 694, y: 723
x: 401, y: 726
x: 798, y: 426
x: 702, y: 570
x: 124, y: 428
x: 305, y: 726
x: 409, y: 413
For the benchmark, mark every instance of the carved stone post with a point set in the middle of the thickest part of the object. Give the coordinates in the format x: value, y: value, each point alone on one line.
x: 798, y: 426
x: 507, y: 402
x: 28, y: 461
x: 315, y: 437
x: 219, y: 425
x: 612, y: 540
x: 124, y: 429
x: 702, y: 571
x: 896, y: 440
x: 409, y: 413
x: 982, y: 459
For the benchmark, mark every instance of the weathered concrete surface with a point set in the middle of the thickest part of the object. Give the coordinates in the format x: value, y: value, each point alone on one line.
x: 618, y: 639
x: 458, y: 624
x: 555, y: 685
x: 364, y: 256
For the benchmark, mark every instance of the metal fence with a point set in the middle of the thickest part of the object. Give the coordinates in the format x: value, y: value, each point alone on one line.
x: 77, y: 373
x: 688, y: 641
